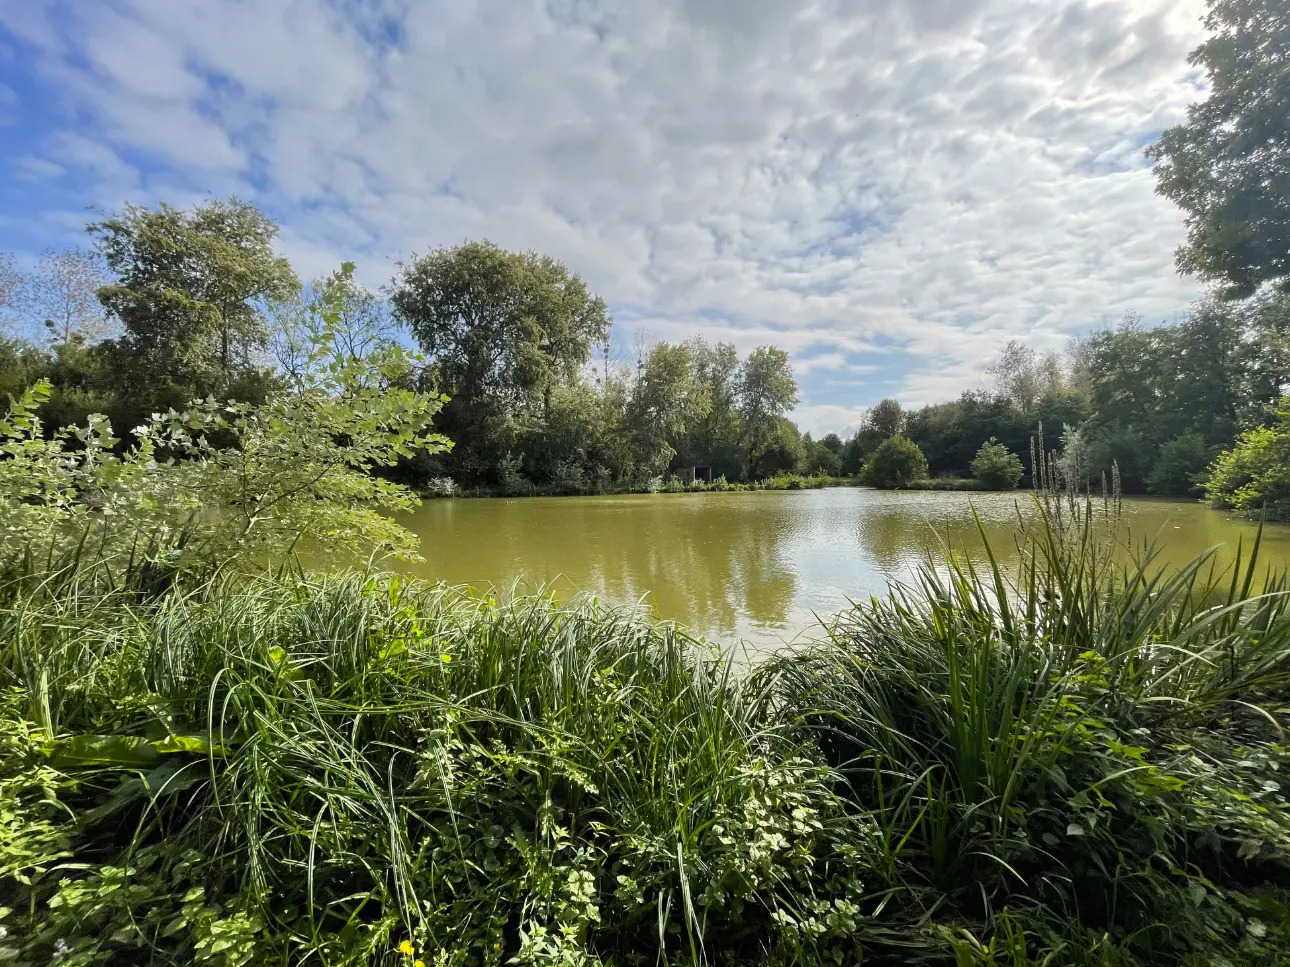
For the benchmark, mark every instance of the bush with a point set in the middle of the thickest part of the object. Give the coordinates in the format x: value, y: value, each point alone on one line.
x: 1180, y: 462
x: 440, y: 487
x: 895, y: 465
x: 1254, y: 476
x: 995, y: 467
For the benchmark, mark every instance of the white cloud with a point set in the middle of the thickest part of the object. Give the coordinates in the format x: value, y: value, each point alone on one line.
x: 841, y: 177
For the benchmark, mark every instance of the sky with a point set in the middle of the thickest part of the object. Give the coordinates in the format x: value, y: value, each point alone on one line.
x: 888, y: 189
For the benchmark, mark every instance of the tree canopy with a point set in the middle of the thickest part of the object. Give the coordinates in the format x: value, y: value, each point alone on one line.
x: 189, y: 291
x: 1228, y: 166
x: 501, y: 330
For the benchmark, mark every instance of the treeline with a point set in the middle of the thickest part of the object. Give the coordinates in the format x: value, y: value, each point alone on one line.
x: 173, y: 305
x: 1161, y: 403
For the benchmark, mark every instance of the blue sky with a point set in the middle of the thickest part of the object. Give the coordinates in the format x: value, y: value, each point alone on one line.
x: 888, y: 189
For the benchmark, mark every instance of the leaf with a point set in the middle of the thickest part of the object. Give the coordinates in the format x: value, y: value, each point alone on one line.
x: 126, y: 751
x: 1074, y: 829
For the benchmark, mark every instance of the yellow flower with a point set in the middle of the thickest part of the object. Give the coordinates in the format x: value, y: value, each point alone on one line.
x: 445, y: 658
x: 406, y: 948
x: 418, y: 963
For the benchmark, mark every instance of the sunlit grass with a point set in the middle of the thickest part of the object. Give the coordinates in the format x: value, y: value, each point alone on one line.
x: 1074, y: 761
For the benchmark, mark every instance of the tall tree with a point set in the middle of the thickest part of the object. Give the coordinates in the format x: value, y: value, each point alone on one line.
x: 1228, y: 166
x: 767, y: 391
x: 61, y: 295
x: 190, y: 290
x: 501, y: 329
x: 10, y: 279
x: 714, y: 440
x: 885, y: 419
x: 666, y: 403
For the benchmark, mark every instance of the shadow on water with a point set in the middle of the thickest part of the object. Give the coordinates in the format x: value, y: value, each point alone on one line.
x: 760, y: 565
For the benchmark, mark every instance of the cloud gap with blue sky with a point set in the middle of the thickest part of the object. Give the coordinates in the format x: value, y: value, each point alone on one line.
x: 888, y: 189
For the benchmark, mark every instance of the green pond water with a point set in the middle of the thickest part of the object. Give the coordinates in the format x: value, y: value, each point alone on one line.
x: 759, y: 566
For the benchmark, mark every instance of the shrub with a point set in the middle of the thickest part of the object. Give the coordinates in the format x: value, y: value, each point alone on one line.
x: 1087, y: 766
x: 995, y: 467
x: 1180, y: 462
x: 440, y: 487
x: 895, y: 465
x: 1254, y: 476
x: 218, y: 484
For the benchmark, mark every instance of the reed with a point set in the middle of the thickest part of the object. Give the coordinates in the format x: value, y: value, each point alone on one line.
x: 1070, y: 762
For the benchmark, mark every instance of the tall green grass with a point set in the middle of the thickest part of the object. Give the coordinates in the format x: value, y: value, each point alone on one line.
x: 1068, y: 763
x: 1099, y: 750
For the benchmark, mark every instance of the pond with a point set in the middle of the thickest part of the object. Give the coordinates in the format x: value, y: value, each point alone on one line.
x: 761, y: 565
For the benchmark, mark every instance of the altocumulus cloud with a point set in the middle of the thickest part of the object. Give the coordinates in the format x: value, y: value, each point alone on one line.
x: 888, y: 189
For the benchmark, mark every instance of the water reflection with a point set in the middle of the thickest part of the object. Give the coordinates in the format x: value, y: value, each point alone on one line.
x: 756, y: 565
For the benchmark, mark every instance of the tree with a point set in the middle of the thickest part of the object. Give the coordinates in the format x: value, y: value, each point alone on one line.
x: 61, y: 295
x: 896, y: 464
x: 1180, y: 462
x: 1254, y: 475
x: 254, y: 481
x: 1024, y: 377
x: 819, y: 458
x: 767, y: 391
x: 666, y: 402
x: 1228, y: 165
x: 361, y: 325
x: 996, y: 467
x: 714, y: 439
x: 885, y: 420
x: 10, y: 279
x: 501, y: 329
x: 189, y: 290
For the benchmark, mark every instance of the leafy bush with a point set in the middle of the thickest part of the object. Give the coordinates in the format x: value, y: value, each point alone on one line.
x: 441, y: 487
x: 895, y: 465
x: 995, y: 467
x: 1254, y: 476
x: 220, y: 483
x: 1181, y: 461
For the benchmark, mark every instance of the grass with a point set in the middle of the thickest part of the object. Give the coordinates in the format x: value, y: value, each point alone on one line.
x: 1074, y: 763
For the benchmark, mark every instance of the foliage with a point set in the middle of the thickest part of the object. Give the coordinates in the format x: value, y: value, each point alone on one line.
x: 767, y: 390
x: 1254, y: 476
x: 1227, y: 166
x: 60, y: 296
x: 1181, y: 461
x: 500, y: 330
x: 895, y: 465
x: 188, y: 292
x: 483, y: 782
x: 10, y: 280
x: 218, y: 482
x: 1024, y: 377
x: 1100, y: 781
x: 361, y: 771
x: 995, y: 467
